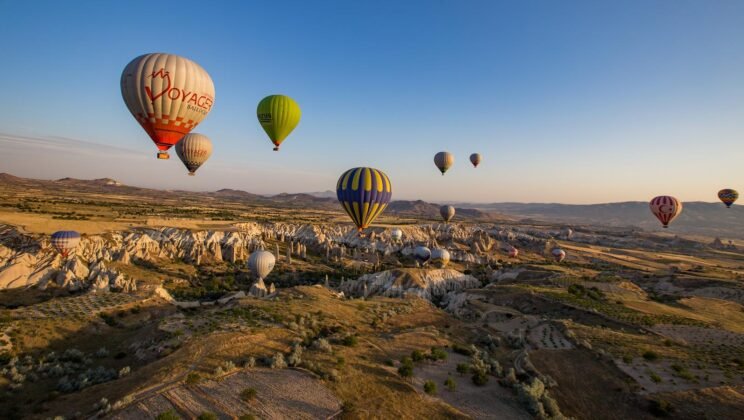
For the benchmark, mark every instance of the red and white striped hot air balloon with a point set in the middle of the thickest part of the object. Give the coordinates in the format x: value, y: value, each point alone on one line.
x: 168, y: 95
x: 194, y: 149
x: 513, y: 252
x: 558, y: 254
x: 665, y: 208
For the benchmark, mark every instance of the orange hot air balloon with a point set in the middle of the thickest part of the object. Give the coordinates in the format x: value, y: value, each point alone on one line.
x: 665, y: 208
x: 168, y: 95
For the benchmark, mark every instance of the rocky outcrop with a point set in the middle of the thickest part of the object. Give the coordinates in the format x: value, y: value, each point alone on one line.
x: 427, y: 284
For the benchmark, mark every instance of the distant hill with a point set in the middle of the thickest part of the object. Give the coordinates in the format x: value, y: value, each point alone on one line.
x: 324, y: 194
x: 698, y: 218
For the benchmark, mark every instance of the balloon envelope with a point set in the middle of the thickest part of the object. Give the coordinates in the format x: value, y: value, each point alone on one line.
x: 443, y: 161
x: 440, y: 257
x: 558, y: 254
x: 421, y: 254
x: 447, y: 213
x: 364, y: 193
x: 193, y: 150
x: 513, y: 252
x: 278, y: 115
x: 261, y: 263
x: 168, y: 95
x: 728, y: 196
x: 665, y: 208
x: 396, y: 234
x: 475, y: 159
x: 65, y: 241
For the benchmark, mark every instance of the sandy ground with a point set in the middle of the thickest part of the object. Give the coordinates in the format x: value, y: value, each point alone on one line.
x: 280, y: 394
x: 667, y: 380
x: 491, y: 401
x: 547, y: 336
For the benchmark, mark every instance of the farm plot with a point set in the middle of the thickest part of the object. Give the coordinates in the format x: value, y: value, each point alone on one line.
x: 78, y: 307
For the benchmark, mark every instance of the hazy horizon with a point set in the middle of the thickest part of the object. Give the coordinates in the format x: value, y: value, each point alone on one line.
x: 568, y: 102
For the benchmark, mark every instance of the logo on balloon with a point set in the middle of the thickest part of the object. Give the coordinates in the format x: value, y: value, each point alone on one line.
x: 163, y: 75
x: 195, y: 101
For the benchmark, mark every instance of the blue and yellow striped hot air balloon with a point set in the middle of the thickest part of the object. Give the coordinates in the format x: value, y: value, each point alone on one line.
x: 364, y: 193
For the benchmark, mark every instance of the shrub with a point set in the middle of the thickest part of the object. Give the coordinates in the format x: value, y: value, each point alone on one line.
x: 247, y: 417
x: 323, y: 345
x: 405, y: 371
x: 430, y: 387
x: 417, y: 355
x: 650, y: 355
x: 463, y: 368
x: 438, y: 354
x: 350, y: 341
x: 660, y: 408
x: 207, y: 416
x: 193, y: 378
x: 248, y: 394
x: 168, y: 415
x: 480, y: 378
x: 627, y: 359
x: 450, y: 384
x: 277, y: 362
x: 654, y: 377
x: 249, y: 362
x: 124, y: 371
x: 464, y: 350
x: 389, y: 362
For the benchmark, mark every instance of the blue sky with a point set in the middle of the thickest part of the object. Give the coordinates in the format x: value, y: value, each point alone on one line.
x: 568, y: 101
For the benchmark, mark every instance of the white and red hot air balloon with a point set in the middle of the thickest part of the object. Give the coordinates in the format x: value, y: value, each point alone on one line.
x: 558, y: 254
x: 193, y: 150
x: 665, y: 208
x: 513, y: 252
x: 168, y: 95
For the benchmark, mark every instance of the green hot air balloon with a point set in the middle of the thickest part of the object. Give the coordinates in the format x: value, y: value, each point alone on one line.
x: 278, y: 115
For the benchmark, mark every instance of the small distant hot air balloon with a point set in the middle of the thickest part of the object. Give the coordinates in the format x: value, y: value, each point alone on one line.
x: 444, y: 160
x: 193, y: 150
x: 513, y: 252
x: 261, y: 263
x: 447, y: 213
x: 278, y: 115
x: 475, y: 159
x: 65, y: 241
x: 728, y: 196
x: 665, y: 208
x: 364, y: 193
x: 567, y: 232
x: 421, y: 254
x: 396, y: 234
x: 558, y: 254
x: 440, y: 257
x: 168, y: 95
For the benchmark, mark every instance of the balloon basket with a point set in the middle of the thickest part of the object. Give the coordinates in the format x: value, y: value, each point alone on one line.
x: 163, y: 155
x: 191, y: 174
x: 276, y: 149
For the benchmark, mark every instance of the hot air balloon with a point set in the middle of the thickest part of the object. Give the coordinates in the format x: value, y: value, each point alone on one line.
x: 728, y: 196
x: 396, y: 234
x: 364, y: 193
x: 440, y: 257
x: 65, y: 241
x: 193, y: 150
x: 513, y: 252
x: 447, y: 213
x: 558, y: 254
x: 475, y: 159
x: 278, y: 115
x: 421, y: 254
x: 168, y: 95
x: 261, y: 263
x: 567, y: 232
x: 665, y: 208
x: 444, y: 160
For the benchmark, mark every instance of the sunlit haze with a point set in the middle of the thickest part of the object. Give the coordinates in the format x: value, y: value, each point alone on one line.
x: 567, y: 101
